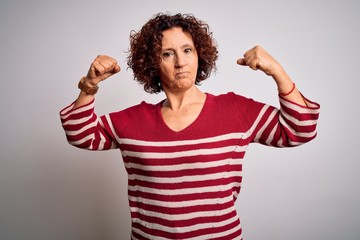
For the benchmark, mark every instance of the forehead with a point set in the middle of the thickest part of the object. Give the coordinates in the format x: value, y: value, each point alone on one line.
x: 176, y: 35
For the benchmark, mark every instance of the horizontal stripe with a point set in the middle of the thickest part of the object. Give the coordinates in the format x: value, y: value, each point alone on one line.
x: 185, y: 166
x: 294, y: 143
x: 223, y: 137
x: 206, y: 236
x: 216, y: 183
x: 186, y: 189
x: 180, y: 204
x: 182, y: 229
x: 297, y: 121
x: 81, y: 130
x: 181, y: 217
x: 297, y: 133
x: 68, y: 111
x: 180, y: 192
x: 311, y: 109
x: 161, y: 155
x: 82, y: 140
x: 79, y: 121
x: 182, y: 179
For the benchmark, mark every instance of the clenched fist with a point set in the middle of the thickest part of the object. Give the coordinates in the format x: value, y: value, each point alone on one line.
x: 258, y: 59
x: 101, y: 68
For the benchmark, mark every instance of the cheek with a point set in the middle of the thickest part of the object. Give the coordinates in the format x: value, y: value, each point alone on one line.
x: 164, y: 73
x: 195, y: 65
x: 195, y: 62
x: 165, y: 69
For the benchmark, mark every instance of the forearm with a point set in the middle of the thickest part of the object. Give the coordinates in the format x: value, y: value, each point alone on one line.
x: 84, y: 129
x: 258, y: 59
x: 287, y: 88
x: 100, y: 69
x: 291, y: 125
x: 83, y: 99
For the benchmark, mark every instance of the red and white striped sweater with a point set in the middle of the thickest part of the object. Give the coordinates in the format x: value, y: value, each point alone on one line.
x: 183, y: 185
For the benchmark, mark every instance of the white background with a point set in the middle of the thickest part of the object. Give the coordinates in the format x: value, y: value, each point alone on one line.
x: 51, y: 190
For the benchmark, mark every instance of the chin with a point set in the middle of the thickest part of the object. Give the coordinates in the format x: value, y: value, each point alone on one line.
x: 184, y: 83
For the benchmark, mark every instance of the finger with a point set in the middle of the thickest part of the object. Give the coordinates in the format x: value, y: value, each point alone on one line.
x: 250, y: 52
x: 103, y: 67
x: 116, y: 69
x: 241, y: 61
x: 256, y: 58
x: 98, y: 68
x: 253, y: 62
x: 110, y: 65
x: 254, y: 66
x: 249, y: 60
x: 95, y: 70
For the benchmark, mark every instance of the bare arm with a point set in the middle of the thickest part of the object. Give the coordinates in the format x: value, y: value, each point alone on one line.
x: 258, y: 59
x: 100, y: 69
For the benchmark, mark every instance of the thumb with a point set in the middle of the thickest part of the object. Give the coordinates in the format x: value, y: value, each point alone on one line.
x: 116, y: 69
x: 241, y: 61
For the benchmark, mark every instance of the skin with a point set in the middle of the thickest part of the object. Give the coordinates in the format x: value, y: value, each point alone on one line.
x: 100, y: 69
x: 178, y: 68
x: 258, y: 59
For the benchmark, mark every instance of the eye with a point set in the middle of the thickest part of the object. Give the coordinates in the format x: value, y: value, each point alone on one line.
x: 167, y: 54
x: 188, y: 50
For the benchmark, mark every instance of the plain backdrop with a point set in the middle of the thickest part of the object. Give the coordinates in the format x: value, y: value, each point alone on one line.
x: 50, y: 190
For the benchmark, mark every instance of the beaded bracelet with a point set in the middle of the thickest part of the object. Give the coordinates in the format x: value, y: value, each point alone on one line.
x: 288, y: 93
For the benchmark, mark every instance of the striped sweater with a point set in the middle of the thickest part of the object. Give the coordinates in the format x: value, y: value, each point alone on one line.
x: 183, y: 185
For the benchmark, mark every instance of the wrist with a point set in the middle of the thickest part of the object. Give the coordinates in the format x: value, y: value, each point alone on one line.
x: 89, y: 89
x: 288, y: 91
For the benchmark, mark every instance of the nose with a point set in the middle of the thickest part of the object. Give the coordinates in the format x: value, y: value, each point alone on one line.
x: 180, y: 60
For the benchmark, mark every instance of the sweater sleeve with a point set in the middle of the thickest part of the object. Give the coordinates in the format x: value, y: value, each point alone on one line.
x: 84, y: 129
x: 289, y: 126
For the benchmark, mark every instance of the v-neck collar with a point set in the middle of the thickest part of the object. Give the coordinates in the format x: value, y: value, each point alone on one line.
x: 191, y: 125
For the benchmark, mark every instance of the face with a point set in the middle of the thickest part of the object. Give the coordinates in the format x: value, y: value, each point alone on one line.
x: 179, y: 60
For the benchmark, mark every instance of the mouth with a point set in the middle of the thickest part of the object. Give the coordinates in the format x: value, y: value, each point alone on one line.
x: 180, y: 75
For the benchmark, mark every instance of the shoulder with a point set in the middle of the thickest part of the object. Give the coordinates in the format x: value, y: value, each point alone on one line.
x: 142, y: 109
x: 228, y: 104
x: 230, y: 110
x: 235, y: 104
x: 143, y: 106
x: 230, y: 98
x: 133, y: 119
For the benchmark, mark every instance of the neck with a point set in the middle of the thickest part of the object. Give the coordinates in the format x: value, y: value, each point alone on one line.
x: 179, y: 100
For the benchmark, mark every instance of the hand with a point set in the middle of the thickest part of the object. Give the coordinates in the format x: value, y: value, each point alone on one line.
x: 257, y: 58
x: 101, y: 68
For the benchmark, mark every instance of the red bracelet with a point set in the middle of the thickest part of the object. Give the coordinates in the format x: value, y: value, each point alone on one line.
x: 285, y: 94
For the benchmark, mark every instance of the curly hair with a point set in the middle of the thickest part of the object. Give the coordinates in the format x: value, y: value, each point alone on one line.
x: 145, y: 47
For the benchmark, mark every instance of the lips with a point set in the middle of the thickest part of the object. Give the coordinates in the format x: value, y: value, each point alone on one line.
x: 181, y: 74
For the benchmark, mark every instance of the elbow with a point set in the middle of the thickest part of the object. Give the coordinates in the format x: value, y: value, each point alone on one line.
x: 83, y: 142
x: 300, y: 139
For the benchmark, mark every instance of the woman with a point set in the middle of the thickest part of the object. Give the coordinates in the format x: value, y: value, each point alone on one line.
x: 184, y: 155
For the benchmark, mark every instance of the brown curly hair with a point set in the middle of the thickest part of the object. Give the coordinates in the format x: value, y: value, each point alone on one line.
x: 145, y: 47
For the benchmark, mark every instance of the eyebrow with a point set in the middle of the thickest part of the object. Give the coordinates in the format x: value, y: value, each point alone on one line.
x: 183, y: 46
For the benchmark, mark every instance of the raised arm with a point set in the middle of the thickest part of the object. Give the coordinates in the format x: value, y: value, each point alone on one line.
x: 291, y: 125
x: 83, y: 128
x: 258, y: 59
x: 100, y: 69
